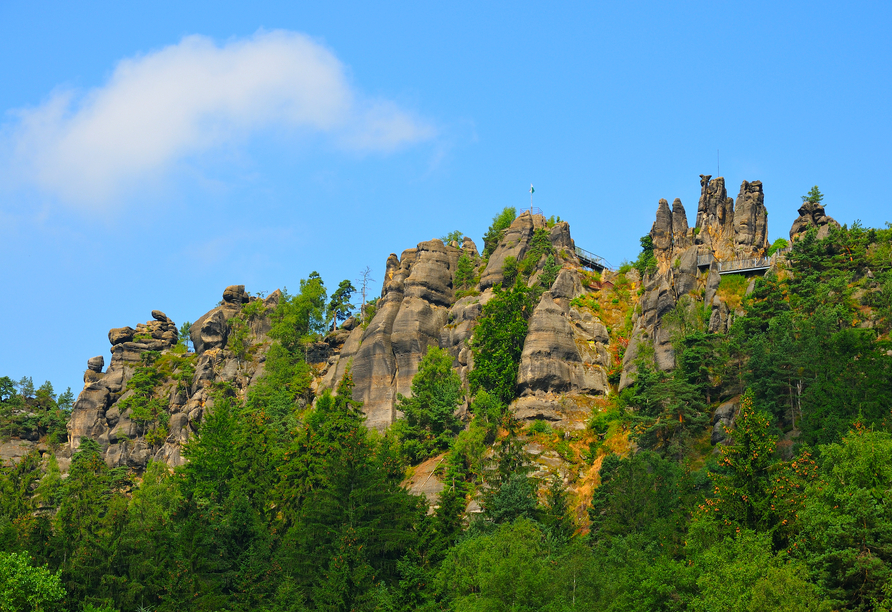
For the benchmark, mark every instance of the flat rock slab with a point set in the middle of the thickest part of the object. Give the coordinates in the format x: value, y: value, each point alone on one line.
x: 423, y: 481
x: 11, y: 452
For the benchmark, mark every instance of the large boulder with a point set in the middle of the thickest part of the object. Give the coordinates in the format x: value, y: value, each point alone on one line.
x: 118, y: 335
x: 812, y: 214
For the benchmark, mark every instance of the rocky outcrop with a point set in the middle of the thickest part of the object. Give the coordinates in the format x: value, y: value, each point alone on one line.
x: 212, y: 330
x: 811, y: 214
x: 100, y: 414
x: 418, y: 309
x: 750, y: 221
x: 564, y: 356
x: 411, y: 314
x: 686, y: 270
x: 514, y: 243
x: 723, y: 419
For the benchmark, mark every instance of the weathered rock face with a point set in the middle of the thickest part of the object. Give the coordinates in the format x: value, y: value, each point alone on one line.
x: 750, y: 221
x: 212, y: 330
x: 514, y: 243
x: 417, y: 310
x: 724, y: 231
x: 99, y: 414
x: 410, y: 317
x: 564, y: 355
x: 811, y: 214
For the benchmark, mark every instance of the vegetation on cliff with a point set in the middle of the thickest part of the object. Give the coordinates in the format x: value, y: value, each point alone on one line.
x: 286, y: 504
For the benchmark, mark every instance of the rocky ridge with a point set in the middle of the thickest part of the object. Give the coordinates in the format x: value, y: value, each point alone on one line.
x: 564, y: 363
x: 573, y: 349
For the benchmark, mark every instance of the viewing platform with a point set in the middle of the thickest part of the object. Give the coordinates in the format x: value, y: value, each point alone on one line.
x: 735, y: 266
x: 590, y: 260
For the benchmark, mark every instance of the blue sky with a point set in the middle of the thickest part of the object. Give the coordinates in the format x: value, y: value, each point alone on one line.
x: 153, y: 153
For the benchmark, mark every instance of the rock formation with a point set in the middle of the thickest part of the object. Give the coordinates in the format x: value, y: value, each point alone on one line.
x: 98, y: 413
x: 565, y: 360
x: 725, y: 230
x: 811, y: 214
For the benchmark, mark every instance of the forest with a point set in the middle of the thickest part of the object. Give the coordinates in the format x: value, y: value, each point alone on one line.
x: 286, y: 505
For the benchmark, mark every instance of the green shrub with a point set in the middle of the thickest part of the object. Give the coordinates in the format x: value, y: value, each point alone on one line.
x: 509, y: 270
x: 498, y: 341
x: 500, y: 222
x: 464, y: 273
x: 540, y: 426
x: 778, y: 244
x: 646, y: 262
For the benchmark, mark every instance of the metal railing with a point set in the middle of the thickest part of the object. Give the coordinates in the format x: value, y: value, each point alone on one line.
x: 740, y: 265
x: 591, y: 260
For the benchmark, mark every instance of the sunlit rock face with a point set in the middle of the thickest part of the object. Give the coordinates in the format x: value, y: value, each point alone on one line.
x: 725, y: 230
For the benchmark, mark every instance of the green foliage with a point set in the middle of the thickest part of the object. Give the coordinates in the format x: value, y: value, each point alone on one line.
x: 846, y: 521
x: 500, y: 222
x: 454, y: 236
x: 464, y: 273
x: 240, y: 325
x: 640, y: 494
x: 148, y: 411
x: 511, y: 569
x: 777, y: 245
x: 184, y: 335
x: 31, y: 414
x: 510, y: 269
x: 24, y: 587
x: 742, y: 573
x: 498, y: 341
x: 429, y: 423
x: 539, y: 247
x: 300, y: 318
x: 371, y: 308
x: 743, y: 486
x: 814, y: 195
x: 671, y: 409
x: 339, y: 308
x: 549, y: 272
x: 540, y: 426
x: 646, y: 262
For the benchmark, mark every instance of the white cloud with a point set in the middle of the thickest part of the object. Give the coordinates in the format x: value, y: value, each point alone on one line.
x: 189, y: 98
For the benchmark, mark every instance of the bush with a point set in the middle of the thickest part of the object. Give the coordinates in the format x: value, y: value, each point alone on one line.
x: 646, y: 262
x: 778, y: 244
x: 23, y: 587
x: 540, y: 426
x: 500, y: 222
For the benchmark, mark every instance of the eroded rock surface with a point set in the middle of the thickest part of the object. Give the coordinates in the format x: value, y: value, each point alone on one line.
x: 811, y: 214
x: 687, y: 271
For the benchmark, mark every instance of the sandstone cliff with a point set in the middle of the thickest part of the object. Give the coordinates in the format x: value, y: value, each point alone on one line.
x: 687, y: 263
x: 567, y: 354
x: 100, y: 411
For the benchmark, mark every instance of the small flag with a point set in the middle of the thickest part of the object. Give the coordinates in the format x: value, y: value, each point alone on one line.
x: 531, y: 188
